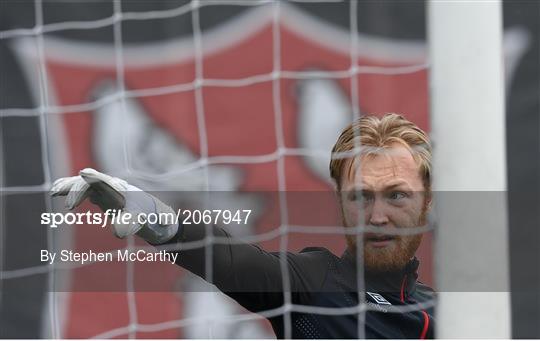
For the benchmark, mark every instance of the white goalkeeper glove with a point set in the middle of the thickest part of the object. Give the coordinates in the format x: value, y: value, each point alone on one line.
x: 113, y: 193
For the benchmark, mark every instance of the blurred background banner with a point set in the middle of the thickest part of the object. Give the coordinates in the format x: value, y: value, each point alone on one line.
x: 166, y: 93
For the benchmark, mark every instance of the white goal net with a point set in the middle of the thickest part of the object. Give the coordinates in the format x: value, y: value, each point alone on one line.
x: 224, y: 95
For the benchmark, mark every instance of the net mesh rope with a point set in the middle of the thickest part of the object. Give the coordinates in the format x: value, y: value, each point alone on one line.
x: 197, y: 85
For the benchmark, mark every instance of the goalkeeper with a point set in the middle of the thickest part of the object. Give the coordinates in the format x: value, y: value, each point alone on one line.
x: 389, y: 178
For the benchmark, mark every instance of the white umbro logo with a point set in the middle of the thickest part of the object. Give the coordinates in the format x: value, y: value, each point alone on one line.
x: 378, y: 298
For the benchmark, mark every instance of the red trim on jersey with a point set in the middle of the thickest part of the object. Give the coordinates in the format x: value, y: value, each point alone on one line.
x: 426, y: 325
x: 402, y: 295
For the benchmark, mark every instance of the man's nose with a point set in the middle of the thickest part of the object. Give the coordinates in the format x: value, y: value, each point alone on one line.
x: 377, y: 215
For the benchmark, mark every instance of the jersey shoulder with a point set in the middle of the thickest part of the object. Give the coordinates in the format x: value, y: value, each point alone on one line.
x: 317, y: 256
x: 311, y: 266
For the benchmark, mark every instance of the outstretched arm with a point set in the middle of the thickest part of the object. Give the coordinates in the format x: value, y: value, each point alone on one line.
x: 244, y: 271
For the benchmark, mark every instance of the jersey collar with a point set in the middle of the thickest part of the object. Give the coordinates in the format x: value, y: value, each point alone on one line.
x: 401, y: 282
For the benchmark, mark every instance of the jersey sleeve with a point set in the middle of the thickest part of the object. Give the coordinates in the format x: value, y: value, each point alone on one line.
x: 245, y: 272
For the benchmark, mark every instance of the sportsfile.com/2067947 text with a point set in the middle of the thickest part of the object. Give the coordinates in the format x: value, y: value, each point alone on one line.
x: 113, y: 216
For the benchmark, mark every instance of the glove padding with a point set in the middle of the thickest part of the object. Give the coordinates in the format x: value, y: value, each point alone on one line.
x: 113, y: 193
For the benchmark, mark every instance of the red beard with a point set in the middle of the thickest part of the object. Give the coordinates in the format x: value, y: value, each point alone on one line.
x: 393, y: 257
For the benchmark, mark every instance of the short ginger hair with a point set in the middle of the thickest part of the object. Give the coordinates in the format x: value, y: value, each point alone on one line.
x: 381, y: 133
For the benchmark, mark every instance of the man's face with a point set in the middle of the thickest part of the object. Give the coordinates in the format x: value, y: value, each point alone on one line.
x: 387, y: 189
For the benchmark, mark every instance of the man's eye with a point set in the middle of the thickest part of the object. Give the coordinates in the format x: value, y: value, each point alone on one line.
x: 357, y: 195
x: 398, y: 195
x: 368, y: 196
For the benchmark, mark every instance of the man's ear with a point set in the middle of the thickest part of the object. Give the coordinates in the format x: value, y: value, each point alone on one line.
x: 335, y: 187
x: 337, y: 192
x: 428, y: 201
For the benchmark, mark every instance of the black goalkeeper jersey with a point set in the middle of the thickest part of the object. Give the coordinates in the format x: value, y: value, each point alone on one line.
x: 323, y: 289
